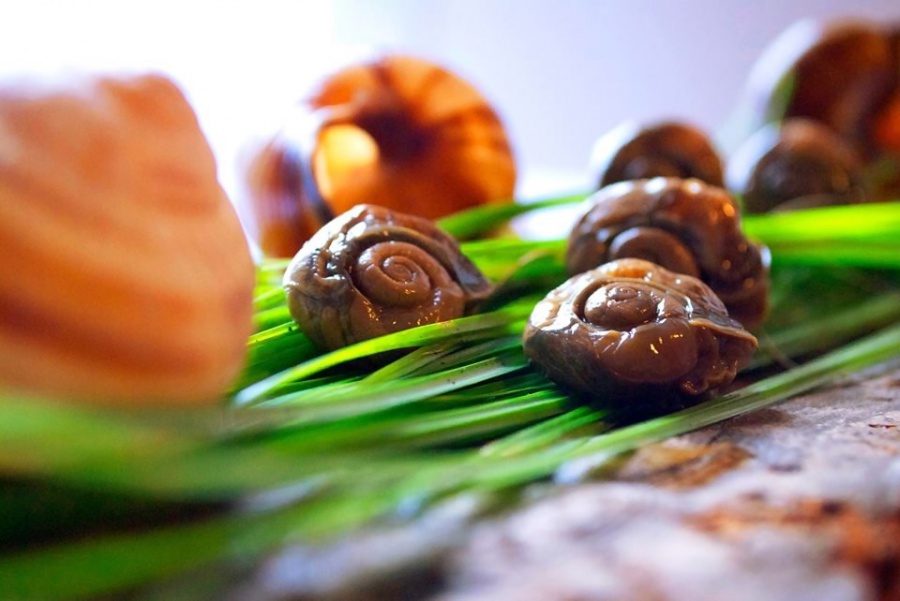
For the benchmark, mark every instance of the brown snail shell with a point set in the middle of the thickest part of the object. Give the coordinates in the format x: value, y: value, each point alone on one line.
x: 126, y: 276
x: 838, y: 72
x: 794, y: 164
x: 685, y: 226
x: 372, y: 271
x: 400, y: 132
x: 630, y: 332
x: 666, y: 149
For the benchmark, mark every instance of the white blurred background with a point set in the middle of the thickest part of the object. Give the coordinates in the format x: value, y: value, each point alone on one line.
x: 561, y: 72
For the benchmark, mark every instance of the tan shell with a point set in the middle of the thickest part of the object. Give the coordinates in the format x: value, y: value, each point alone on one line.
x: 125, y: 277
x: 399, y: 132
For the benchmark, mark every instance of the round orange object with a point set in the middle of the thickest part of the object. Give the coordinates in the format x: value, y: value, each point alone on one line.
x: 400, y: 132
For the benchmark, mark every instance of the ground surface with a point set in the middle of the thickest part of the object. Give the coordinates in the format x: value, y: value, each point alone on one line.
x: 799, y: 501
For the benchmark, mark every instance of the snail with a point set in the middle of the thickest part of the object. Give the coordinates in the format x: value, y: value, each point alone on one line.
x: 631, y: 333
x: 686, y: 226
x: 666, y: 149
x: 794, y: 164
x: 125, y: 277
x: 372, y: 271
x: 838, y: 72
x: 400, y: 132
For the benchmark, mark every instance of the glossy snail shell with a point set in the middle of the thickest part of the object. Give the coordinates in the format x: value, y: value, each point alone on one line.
x: 372, y: 271
x: 631, y: 333
x: 686, y: 226
x: 126, y: 277
x: 667, y: 149
x: 400, y: 132
x: 795, y: 164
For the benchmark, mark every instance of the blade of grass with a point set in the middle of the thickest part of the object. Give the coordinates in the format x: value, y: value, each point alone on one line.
x: 828, y: 331
x: 500, y: 321
x: 858, y: 223
x: 483, y: 219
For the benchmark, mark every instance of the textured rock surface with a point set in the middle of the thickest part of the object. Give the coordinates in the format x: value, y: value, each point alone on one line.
x: 800, y: 501
x: 796, y: 502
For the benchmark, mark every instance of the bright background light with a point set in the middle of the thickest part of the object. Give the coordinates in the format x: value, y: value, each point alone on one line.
x: 561, y: 72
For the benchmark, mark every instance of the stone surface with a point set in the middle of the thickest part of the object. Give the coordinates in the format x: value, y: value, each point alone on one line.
x: 800, y: 501
x: 796, y: 502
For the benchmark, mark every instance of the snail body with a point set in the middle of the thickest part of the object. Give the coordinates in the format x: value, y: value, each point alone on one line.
x: 125, y: 277
x: 631, y: 333
x: 372, y: 271
x: 685, y: 226
x: 795, y: 164
x: 665, y: 149
x: 400, y: 132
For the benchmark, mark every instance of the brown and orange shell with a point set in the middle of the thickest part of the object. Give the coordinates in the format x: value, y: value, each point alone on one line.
x: 400, y: 132
x: 125, y: 276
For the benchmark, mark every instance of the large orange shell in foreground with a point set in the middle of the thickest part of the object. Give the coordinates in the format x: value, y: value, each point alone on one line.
x: 125, y: 277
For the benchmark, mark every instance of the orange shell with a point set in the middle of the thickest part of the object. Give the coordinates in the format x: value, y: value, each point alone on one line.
x: 125, y: 277
x: 399, y: 132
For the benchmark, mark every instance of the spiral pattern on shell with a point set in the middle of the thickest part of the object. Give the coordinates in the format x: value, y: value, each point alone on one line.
x: 631, y: 332
x: 126, y: 276
x: 400, y: 132
x: 685, y: 226
x: 667, y: 149
x: 372, y: 271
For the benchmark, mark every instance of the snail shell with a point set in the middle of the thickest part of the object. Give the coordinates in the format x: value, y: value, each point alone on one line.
x: 839, y: 72
x: 126, y: 277
x: 795, y: 164
x: 686, y: 226
x: 632, y: 332
x: 400, y: 132
x: 372, y: 271
x: 667, y: 149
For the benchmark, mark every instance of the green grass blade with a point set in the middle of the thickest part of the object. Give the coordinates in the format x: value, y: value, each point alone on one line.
x: 483, y: 219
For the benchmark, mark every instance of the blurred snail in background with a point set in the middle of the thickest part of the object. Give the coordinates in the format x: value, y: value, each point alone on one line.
x: 841, y: 73
x: 372, y: 271
x: 795, y: 164
x: 666, y: 149
x: 400, y: 132
x: 685, y: 226
x: 634, y: 333
x: 844, y: 74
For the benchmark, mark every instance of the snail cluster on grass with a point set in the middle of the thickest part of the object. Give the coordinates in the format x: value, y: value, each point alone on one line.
x: 686, y: 226
x: 400, y: 132
x: 663, y: 287
x: 126, y: 276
